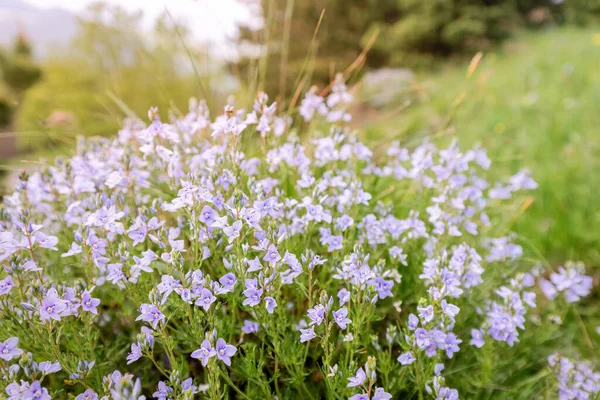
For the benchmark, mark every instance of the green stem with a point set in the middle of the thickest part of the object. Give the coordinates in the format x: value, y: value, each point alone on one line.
x: 230, y: 383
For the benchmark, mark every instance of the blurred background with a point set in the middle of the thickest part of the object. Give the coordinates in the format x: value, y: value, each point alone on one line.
x: 521, y: 77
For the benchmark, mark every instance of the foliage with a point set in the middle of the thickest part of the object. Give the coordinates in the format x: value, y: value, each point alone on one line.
x: 532, y: 103
x: 18, y: 72
x: 112, y: 69
x: 264, y: 253
x: 330, y: 34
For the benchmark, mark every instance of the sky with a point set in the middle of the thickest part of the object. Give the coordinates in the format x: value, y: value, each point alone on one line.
x: 210, y: 20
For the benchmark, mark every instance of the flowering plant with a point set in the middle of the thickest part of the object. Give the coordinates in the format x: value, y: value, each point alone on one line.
x: 262, y: 255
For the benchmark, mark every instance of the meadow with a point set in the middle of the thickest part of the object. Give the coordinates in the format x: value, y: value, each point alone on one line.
x: 530, y: 102
x: 420, y: 250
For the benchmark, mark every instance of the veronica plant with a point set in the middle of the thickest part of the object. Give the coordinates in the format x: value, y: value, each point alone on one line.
x: 263, y: 255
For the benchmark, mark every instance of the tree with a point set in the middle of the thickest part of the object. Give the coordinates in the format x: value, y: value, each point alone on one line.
x: 18, y: 72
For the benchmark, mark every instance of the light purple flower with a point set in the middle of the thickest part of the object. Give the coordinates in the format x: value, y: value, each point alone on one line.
x: 406, y: 358
x: 6, y: 285
x: 228, y: 281
x: 162, y: 391
x: 426, y: 313
x: 382, y: 286
x: 36, y: 392
x: 361, y: 396
x: 48, y: 368
x: 250, y: 327
x: 307, y: 334
x: 357, y: 379
x: 450, y: 309
x: 150, y: 313
x: 87, y: 395
x: 253, y: 265
x: 381, y: 394
x: 272, y: 255
x: 52, y: 306
x: 341, y: 317
x: 233, y: 231
x: 47, y: 242
x: 344, y: 296
x: 224, y: 351
x: 204, y: 353
x: 208, y: 216
x: 89, y: 303
x: 451, y: 344
x: 270, y: 304
x: 135, y: 353
x: 477, y: 338
x: 316, y: 314
x: 206, y: 299
x: 9, y: 349
x: 252, y: 293
x: 413, y: 322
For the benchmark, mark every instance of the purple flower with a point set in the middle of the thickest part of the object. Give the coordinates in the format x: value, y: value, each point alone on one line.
x: 477, y: 338
x: 307, y: 334
x: 344, y: 296
x: 438, y: 368
x: 316, y: 314
x: 87, y: 395
x: 228, y: 281
x: 383, y: 287
x: 135, y: 353
x: 224, y: 351
x: 413, y: 322
x: 88, y: 303
x: 357, y: 379
x: 150, y: 313
x: 450, y: 309
x: 208, y: 216
x: 250, y: 327
x: 137, y: 233
x: 162, y: 391
x: 36, y: 392
x: 6, y: 285
x: 52, y: 306
x: 204, y: 353
x: 272, y: 255
x: 233, y: 231
x: 341, y: 317
x: 167, y: 285
x: 270, y: 304
x: 406, y: 358
x: 253, y: 265
x: 206, y: 299
x: 252, y: 293
x: 8, y: 349
x: 452, y: 343
x: 49, y: 368
x: 426, y: 313
x: 422, y: 338
x: 359, y: 397
x: 381, y: 394
x: 47, y: 242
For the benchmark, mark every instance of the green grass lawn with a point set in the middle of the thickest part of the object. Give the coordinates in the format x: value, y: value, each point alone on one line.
x: 534, y: 103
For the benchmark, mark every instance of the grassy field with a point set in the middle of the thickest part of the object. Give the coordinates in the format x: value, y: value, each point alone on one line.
x: 535, y: 102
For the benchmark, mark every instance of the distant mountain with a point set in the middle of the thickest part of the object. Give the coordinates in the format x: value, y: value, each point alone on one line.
x: 43, y: 27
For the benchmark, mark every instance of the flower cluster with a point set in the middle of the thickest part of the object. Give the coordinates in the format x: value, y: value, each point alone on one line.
x: 570, y: 281
x: 576, y: 380
x: 214, y: 265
